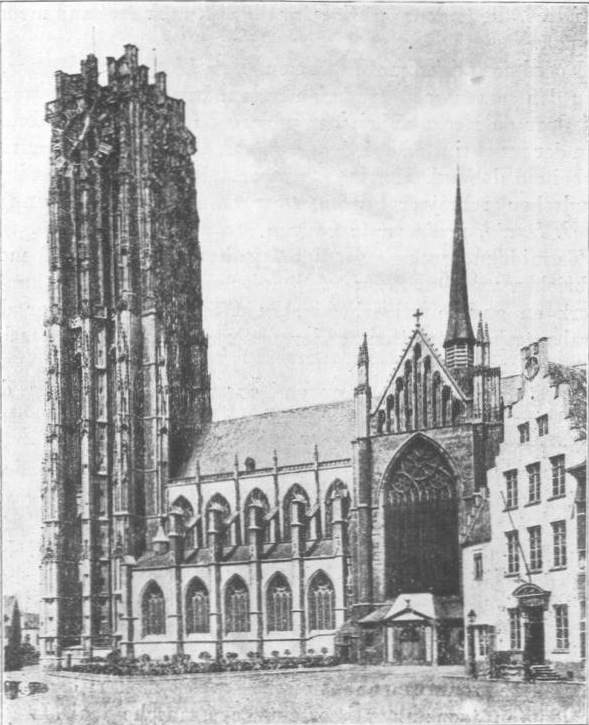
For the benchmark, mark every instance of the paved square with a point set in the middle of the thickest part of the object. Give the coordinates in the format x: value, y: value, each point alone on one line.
x: 345, y: 695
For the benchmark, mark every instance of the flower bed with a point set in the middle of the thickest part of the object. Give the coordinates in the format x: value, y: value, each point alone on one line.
x: 144, y: 666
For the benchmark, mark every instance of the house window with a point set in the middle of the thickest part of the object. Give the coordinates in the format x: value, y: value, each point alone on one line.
x: 559, y: 543
x: 511, y: 489
x: 561, y: 615
x: 512, y: 552
x: 478, y: 565
x: 524, y: 432
x: 237, y: 605
x: 558, y: 478
x: 483, y: 640
x: 321, y: 602
x: 279, y: 604
x: 542, y: 422
x: 197, y: 607
x: 153, y: 610
x: 515, y: 636
x: 534, y: 482
x: 535, y: 534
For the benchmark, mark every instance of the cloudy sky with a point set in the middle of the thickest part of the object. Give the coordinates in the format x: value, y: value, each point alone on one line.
x: 326, y: 178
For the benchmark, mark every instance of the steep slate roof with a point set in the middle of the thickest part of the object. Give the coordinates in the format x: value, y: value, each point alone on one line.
x: 425, y: 604
x: 292, y: 433
x: 459, y: 325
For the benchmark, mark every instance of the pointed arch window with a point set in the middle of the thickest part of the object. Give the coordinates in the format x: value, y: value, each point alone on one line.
x: 398, y: 399
x: 321, y: 602
x: 279, y: 604
x: 380, y: 421
x: 295, y: 495
x: 427, y: 366
x: 436, y: 385
x: 338, y: 490
x: 186, y: 507
x: 153, y: 610
x: 421, y: 522
x: 446, y: 400
x: 408, y: 394
x: 390, y: 413
x: 237, y: 606
x: 218, y: 513
x: 260, y: 501
x: 197, y: 607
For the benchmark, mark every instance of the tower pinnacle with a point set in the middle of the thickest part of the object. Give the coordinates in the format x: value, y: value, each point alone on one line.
x: 459, y: 334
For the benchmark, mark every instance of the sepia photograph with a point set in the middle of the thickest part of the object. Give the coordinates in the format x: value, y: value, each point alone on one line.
x: 294, y: 359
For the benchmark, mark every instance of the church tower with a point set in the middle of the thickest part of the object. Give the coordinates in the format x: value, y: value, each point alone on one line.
x: 127, y: 376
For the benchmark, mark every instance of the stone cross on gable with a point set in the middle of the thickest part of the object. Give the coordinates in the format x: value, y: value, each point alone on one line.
x: 417, y: 314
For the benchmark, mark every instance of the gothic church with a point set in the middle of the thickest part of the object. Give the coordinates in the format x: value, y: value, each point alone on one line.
x: 165, y: 531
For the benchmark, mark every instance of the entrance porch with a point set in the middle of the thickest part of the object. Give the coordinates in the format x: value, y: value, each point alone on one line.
x: 415, y: 629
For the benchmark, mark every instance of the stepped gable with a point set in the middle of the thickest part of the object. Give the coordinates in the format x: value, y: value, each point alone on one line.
x: 291, y: 433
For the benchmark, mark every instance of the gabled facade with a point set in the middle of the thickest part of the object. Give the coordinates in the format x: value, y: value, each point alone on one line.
x: 525, y: 587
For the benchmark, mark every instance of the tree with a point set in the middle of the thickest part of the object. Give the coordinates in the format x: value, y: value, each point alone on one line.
x: 12, y: 652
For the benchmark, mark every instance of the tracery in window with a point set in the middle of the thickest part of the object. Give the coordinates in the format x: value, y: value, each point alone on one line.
x: 321, y: 602
x: 279, y: 604
x: 421, y: 529
x: 237, y: 615
x: 197, y: 607
x: 153, y: 610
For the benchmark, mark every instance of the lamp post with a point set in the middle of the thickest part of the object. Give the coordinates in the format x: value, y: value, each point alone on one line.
x: 472, y: 666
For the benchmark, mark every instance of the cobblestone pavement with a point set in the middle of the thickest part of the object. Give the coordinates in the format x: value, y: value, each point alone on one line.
x: 343, y: 695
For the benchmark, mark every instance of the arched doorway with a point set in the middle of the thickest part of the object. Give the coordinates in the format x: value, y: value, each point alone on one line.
x: 421, y: 522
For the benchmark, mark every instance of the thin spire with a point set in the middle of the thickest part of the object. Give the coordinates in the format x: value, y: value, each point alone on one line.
x: 459, y: 325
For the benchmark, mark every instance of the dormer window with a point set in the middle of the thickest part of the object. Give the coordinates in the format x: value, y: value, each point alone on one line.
x: 250, y: 465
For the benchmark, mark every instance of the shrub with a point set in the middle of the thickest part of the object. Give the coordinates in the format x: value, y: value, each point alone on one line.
x: 116, y: 664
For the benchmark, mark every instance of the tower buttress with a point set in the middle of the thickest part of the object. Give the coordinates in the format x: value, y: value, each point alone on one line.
x: 460, y: 340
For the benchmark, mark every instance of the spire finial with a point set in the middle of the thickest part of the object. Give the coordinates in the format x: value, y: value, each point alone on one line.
x: 480, y: 328
x: 363, y: 351
x: 458, y: 159
x: 154, y: 60
x: 418, y: 314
